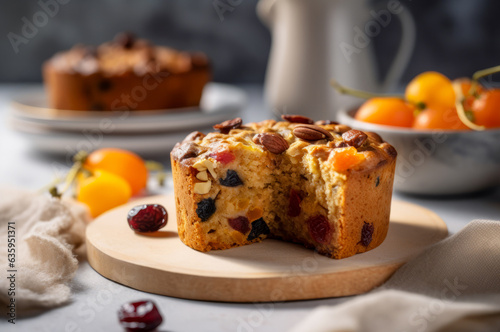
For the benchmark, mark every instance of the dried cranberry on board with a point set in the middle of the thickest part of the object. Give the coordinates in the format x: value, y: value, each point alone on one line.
x: 240, y: 224
x: 139, y: 316
x: 259, y: 227
x: 319, y: 228
x: 367, y: 233
x: 147, y: 217
x: 294, y: 201
x: 205, y: 209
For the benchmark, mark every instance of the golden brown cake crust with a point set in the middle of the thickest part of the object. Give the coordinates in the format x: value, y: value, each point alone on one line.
x: 342, y: 185
x: 125, y: 75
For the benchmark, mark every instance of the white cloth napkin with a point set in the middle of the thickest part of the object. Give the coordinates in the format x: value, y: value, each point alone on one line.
x: 453, y: 285
x: 47, y: 231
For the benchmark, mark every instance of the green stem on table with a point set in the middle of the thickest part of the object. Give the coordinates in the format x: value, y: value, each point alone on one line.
x: 72, y: 174
x: 54, y: 192
x: 76, y: 168
x: 49, y: 187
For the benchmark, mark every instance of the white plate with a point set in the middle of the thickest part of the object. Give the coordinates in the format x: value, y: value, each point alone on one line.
x: 219, y: 102
x: 144, y: 132
x: 68, y: 143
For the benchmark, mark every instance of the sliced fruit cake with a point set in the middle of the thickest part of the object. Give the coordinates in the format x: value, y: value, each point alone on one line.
x: 323, y: 185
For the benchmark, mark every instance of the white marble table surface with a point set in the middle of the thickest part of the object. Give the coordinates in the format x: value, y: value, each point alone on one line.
x: 96, y: 299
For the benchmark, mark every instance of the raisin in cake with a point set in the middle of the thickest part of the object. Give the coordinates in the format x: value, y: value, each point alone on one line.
x: 322, y: 185
x: 125, y: 74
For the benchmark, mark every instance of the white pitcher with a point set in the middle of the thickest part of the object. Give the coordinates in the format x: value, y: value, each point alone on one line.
x: 315, y: 41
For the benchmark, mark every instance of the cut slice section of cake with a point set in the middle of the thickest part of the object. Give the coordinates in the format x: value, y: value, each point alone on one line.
x: 322, y: 185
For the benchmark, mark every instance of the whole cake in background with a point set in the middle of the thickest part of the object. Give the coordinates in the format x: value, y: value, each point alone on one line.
x: 125, y: 74
x: 323, y: 185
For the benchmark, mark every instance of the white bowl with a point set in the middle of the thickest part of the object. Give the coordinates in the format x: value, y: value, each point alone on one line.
x: 438, y: 162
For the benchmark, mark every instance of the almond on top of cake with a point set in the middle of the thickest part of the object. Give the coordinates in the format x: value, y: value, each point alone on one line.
x: 125, y: 74
x: 323, y: 185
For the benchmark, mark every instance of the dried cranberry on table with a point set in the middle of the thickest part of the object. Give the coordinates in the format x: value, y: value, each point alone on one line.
x: 139, y: 316
x: 147, y: 217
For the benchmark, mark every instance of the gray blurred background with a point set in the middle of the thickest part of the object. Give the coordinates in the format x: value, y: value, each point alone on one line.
x: 455, y: 37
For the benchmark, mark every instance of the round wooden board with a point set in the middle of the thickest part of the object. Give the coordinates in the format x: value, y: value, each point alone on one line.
x: 269, y: 271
